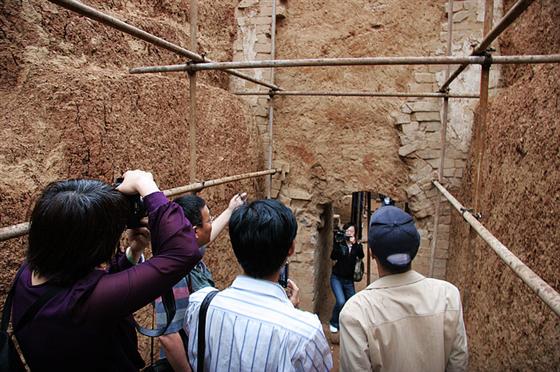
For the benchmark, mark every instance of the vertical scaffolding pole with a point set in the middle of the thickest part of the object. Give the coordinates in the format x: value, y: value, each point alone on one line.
x: 192, y: 89
x: 443, y: 134
x: 479, y: 145
x: 368, y: 258
x: 483, y: 109
x: 271, y: 99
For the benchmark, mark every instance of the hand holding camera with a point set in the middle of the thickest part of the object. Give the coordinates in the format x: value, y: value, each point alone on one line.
x: 137, y: 182
x: 292, y: 290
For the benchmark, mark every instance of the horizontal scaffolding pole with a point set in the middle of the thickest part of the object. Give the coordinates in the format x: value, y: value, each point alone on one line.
x: 116, y: 23
x: 355, y: 94
x: 539, y: 286
x: 515, y: 11
x: 204, y: 184
x: 364, y: 61
x: 14, y: 231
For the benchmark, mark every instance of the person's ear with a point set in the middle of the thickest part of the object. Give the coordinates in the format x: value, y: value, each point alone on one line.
x: 196, y: 232
x: 292, y: 249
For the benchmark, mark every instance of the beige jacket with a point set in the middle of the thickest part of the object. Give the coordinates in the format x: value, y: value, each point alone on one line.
x: 404, y: 322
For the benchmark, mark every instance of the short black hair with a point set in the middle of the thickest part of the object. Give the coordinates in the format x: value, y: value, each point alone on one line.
x: 397, y: 270
x: 261, y: 234
x: 75, y: 226
x: 192, y: 205
x: 347, y: 225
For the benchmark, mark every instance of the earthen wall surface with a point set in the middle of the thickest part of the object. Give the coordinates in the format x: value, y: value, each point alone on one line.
x: 329, y: 147
x: 509, y: 328
x: 70, y: 109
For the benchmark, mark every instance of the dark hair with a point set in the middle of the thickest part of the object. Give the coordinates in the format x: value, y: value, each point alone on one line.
x: 261, y: 234
x: 397, y: 270
x: 75, y: 226
x: 192, y: 205
x: 347, y: 225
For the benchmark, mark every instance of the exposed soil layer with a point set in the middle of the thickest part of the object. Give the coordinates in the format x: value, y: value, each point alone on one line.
x: 70, y: 109
x: 509, y: 327
x: 337, y: 145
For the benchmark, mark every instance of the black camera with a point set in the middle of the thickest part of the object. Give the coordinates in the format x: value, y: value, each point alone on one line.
x: 386, y: 200
x: 136, y: 211
x: 283, y: 279
x: 340, y: 236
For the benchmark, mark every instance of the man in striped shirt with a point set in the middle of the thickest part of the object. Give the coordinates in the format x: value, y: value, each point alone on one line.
x: 253, y: 325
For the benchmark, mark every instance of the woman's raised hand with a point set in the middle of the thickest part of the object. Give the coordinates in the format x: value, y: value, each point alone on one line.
x: 138, y: 182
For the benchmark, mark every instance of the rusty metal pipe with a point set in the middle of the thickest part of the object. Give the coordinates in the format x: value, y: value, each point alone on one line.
x: 271, y: 100
x: 443, y: 137
x: 489, y: 36
x: 362, y: 61
x: 539, y: 286
x: 355, y: 94
x: 10, y: 232
x: 108, y: 20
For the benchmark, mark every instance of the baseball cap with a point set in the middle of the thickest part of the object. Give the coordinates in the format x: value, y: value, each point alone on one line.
x: 393, y: 237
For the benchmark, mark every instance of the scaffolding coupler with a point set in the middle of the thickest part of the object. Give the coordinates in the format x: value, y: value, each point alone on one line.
x: 476, y: 215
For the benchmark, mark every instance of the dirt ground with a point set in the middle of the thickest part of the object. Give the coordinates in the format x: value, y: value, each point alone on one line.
x: 509, y: 328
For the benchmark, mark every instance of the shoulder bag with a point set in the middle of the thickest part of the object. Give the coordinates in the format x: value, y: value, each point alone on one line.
x: 358, y: 270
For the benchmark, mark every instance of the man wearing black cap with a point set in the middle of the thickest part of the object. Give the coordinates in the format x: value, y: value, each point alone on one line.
x: 403, y: 321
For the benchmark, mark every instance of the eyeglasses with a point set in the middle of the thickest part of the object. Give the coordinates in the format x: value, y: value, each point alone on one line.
x: 210, y: 220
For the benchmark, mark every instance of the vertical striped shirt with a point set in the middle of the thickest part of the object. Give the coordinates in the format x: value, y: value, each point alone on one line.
x: 253, y: 326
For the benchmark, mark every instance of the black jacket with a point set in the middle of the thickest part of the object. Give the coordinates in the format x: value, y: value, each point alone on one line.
x: 344, y: 266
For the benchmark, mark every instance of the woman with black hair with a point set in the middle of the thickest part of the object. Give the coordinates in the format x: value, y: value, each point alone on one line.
x: 87, y: 322
x: 346, y: 250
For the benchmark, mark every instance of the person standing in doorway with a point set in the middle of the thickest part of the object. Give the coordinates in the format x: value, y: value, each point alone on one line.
x: 346, y: 250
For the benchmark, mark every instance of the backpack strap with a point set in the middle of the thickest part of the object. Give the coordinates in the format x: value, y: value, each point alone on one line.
x: 202, y: 329
x: 7, y: 310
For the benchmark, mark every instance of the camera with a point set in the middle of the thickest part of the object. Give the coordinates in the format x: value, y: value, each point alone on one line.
x: 136, y: 211
x: 386, y: 200
x: 340, y: 236
x: 283, y: 280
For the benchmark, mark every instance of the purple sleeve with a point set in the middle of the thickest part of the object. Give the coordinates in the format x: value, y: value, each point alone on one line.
x: 119, y: 262
x: 122, y: 293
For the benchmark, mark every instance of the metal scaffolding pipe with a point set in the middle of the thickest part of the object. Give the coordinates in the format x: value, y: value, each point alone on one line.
x: 539, y: 286
x: 116, y: 23
x: 10, y: 232
x: 516, y: 10
x: 443, y: 137
x: 362, y: 61
x: 355, y: 94
x: 14, y: 231
x: 271, y: 100
x: 192, y: 93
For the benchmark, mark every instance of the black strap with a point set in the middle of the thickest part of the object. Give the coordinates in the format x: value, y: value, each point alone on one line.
x: 34, y: 309
x: 168, y: 301
x: 202, y: 330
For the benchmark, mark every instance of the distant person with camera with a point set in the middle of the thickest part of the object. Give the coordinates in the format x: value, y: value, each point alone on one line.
x: 206, y: 229
x: 254, y: 325
x: 346, y: 251
x: 83, y: 312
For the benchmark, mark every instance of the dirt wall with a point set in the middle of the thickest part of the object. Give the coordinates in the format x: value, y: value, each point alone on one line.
x: 70, y: 109
x: 509, y: 328
x: 337, y: 145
